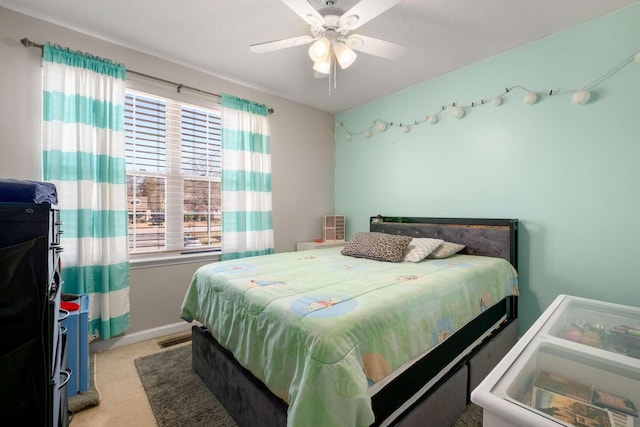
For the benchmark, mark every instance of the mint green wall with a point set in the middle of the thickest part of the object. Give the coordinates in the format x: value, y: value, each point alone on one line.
x: 570, y: 173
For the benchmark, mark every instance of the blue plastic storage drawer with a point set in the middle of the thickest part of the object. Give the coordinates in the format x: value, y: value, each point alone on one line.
x: 77, y: 325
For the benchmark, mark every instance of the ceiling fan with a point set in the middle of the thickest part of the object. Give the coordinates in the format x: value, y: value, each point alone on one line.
x: 330, y: 34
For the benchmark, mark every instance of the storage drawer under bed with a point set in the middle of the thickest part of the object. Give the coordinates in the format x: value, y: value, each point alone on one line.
x: 488, y: 356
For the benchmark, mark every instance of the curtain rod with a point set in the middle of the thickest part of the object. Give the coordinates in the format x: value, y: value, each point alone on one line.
x: 28, y: 43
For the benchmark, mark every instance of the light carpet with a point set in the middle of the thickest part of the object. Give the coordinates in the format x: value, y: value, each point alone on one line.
x: 178, y: 396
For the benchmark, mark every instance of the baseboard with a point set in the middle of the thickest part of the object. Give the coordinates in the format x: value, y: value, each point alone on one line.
x: 136, y: 337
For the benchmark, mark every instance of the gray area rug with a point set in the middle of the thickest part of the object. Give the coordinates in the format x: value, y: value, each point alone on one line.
x: 179, y: 398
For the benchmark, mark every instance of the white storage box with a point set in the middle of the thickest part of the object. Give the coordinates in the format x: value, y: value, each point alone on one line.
x: 579, y: 364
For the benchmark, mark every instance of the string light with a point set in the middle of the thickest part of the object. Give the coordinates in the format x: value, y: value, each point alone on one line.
x: 530, y: 98
x: 458, y: 112
x: 580, y: 97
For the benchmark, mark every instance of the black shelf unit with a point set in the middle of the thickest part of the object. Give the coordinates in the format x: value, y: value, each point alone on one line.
x: 32, y: 340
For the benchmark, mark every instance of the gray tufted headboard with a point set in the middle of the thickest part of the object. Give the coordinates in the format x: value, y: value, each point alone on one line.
x: 486, y: 237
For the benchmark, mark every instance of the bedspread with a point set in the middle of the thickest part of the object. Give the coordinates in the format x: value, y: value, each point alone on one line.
x: 319, y: 328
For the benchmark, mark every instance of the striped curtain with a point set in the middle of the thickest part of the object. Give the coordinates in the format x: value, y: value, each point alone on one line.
x: 84, y: 156
x: 247, y: 229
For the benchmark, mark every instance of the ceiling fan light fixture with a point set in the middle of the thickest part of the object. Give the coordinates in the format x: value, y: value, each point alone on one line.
x: 330, y: 43
x: 344, y: 54
x: 323, y: 66
x: 319, y: 50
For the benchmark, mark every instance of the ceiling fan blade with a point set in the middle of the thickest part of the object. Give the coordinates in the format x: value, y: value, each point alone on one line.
x: 365, y: 11
x: 374, y: 46
x: 305, y: 11
x: 280, y: 44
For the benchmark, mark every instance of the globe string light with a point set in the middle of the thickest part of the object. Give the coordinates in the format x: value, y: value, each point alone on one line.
x: 580, y: 97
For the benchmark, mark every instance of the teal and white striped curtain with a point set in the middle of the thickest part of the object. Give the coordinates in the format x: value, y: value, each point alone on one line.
x: 247, y: 228
x: 84, y: 156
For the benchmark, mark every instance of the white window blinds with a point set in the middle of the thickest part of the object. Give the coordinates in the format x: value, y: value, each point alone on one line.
x: 173, y: 152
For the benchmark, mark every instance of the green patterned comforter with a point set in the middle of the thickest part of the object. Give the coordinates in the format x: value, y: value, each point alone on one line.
x: 319, y: 328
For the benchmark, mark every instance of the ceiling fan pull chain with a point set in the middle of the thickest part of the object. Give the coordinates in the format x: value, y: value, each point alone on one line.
x: 335, y: 74
x: 330, y: 84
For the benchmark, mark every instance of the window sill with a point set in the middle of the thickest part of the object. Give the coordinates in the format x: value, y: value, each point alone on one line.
x: 150, y: 261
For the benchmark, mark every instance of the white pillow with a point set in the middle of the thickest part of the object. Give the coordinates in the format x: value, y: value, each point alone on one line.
x: 419, y: 248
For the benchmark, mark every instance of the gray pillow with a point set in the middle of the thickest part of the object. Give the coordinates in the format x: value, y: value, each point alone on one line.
x: 445, y: 250
x: 377, y: 246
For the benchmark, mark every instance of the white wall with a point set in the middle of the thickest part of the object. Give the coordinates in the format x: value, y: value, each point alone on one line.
x: 301, y: 148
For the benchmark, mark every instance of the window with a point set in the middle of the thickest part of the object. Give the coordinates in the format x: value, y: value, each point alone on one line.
x: 173, y: 155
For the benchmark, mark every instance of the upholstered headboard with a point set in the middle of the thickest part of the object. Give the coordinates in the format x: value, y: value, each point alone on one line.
x: 486, y: 237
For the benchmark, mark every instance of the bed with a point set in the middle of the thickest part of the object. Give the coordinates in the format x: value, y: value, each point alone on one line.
x: 317, y: 338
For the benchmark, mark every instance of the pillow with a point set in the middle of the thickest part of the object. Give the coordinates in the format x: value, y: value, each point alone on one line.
x: 445, y: 250
x: 419, y: 248
x: 376, y: 246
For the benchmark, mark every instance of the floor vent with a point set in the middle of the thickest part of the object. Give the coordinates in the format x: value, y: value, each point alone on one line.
x: 174, y: 341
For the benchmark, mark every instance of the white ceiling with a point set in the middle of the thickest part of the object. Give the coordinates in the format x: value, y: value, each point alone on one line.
x: 214, y: 36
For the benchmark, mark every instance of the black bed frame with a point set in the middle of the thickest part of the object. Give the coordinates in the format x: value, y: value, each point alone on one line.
x: 250, y: 403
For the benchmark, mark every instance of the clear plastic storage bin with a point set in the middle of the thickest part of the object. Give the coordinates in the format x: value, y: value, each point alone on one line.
x: 579, y: 364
